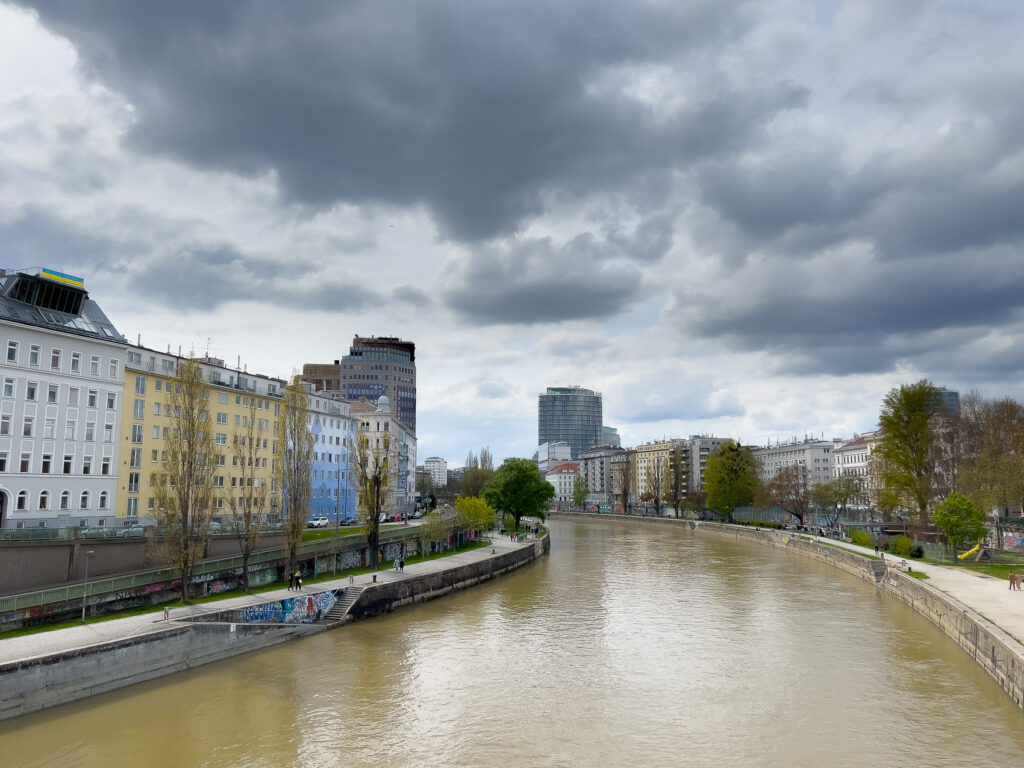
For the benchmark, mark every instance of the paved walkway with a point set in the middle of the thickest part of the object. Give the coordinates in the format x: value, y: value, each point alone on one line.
x: 985, y: 595
x: 70, y: 638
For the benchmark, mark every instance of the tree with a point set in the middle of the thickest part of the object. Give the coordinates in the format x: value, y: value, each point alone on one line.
x: 790, y: 491
x: 519, y: 489
x: 730, y: 478
x: 435, y: 527
x: 994, y: 478
x: 296, y: 467
x: 656, y: 481
x: 622, y: 472
x: 249, y: 507
x: 474, y: 514
x: 579, y: 491
x: 478, y: 472
x: 959, y: 520
x: 833, y: 498
x: 676, y: 478
x: 908, y: 465
x: 373, y: 479
x: 184, y: 488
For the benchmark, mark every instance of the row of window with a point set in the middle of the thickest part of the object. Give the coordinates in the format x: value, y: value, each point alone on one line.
x: 48, y: 465
x: 53, y: 392
x: 50, y: 431
x: 57, y: 360
x: 21, y: 501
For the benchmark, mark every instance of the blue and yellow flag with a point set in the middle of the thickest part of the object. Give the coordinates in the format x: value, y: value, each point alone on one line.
x: 60, y: 277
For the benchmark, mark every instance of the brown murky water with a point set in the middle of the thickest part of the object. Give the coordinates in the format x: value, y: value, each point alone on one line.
x: 631, y: 645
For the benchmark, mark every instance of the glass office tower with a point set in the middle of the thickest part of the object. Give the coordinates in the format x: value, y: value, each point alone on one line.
x: 572, y: 414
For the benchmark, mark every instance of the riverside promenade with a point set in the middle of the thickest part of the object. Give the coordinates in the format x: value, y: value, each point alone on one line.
x: 56, y: 641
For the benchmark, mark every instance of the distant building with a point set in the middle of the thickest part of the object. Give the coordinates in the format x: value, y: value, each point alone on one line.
x: 570, y: 414
x: 610, y: 436
x: 563, y: 478
x: 60, y: 412
x: 852, y: 458
x: 700, y: 447
x: 377, y: 423
x: 814, y: 456
x: 334, y: 435
x: 374, y: 366
x: 595, y: 466
x: 438, y: 469
x: 652, y: 458
x: 550, y: 454
x: 950, y: 401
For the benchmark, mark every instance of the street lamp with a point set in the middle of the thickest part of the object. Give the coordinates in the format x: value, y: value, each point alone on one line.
x: 85, y: 583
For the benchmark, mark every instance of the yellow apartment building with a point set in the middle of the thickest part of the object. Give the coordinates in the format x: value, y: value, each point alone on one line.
x: 147, y: 417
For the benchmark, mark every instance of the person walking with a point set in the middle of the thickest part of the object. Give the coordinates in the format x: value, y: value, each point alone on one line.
x: 291, y: 580
x: 298, y: 580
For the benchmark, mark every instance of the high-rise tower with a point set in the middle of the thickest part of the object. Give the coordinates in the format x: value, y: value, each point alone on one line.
x: 572, y: 414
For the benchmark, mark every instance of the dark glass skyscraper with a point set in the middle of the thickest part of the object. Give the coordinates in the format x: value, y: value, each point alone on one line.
x: 572, y: 414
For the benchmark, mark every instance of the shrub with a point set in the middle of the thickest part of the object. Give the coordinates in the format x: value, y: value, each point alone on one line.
x: 917, y: 551
x: 902, y: 545
x: 860, y: 538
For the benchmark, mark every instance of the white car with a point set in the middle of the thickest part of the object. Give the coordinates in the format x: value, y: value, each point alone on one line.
x: 319, y: 522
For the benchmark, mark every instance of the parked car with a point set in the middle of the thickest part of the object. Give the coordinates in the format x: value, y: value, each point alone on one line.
x: 215, y: 527
x: 350, y: 520
x: 132, y: 531
x: 319, y: 522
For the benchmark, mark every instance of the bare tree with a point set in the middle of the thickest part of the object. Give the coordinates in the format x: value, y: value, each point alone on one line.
x: 373, y: 479
x: 249, y: 489
x: 624, y: 480
x: 676, y: 478
x: 296, y: 467
x: 184, y: 489
x: 656, y: 476
x: 789, y: 490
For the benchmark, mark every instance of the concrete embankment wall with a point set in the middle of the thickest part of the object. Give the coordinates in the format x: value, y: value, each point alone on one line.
x: 45, y: 681
x: 998, y: 653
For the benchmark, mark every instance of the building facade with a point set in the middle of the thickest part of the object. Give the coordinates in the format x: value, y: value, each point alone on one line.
x: 815, y: 456
x: 374, y: 366
x: 570, y: 414
x: 699, y: 448
x: 563, y: 479
x: 334, y: 432
x: 595, y: 467
x: 60, y: 406
x: 378, y: 423
x: 438, y: 469
x: 656, y: 460
x: 549, y: 455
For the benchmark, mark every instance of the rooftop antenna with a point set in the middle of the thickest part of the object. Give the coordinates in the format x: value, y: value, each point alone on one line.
x: 207, y: 346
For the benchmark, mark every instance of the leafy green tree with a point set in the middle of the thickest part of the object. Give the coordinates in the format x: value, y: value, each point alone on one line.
x: 579, y: 491
x: 473, y: 513
x: 789, y: 490
x: 478, y: 472
x: 518, y: 489
x: 906, y: 455
x: 436, y: 527
x: 833, y: 498
x: 730, y: 478
x: 961, y: 521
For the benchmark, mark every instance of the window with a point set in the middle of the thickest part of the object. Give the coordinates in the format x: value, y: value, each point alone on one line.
x: 83, y: 501
x: 51, y: 393
x: 12, y: 352
x: 67, y: 464
x: 94, y: 366
x: 30, y: 391
x: 73, y: 396
x: 136, y: 458
x: 111, y: 401
x: 158, y: 385
x: 155, y: 455
x: 108, y: 433
x: 139, y: 409
x: 222, y: 418
x: 91, y: 402
x: 133, y: 482
x: 69, y: 430
x: 47, y: 461
x: 26, y: 462
x: 136, y: 433
x: 8, y: 387
x: 22, y: 501
x: 151, y: 503
x: 113, y: 370
x: 27, y: 427
x: 218, y: 481
x: 222, y: 398
x: 55, y: 360
x: 90, y: 431
x: 140, y: 385
x: 103, y: 499
x: 44, y: 500
x: 105, y: 466
x: 76, y: 362
x: 222, y: 439
x: 87, y: 465
x: 156, y: 406
x: 3, y: 461
x: 156, y: 433
x: 133, y: 508
x: 65, y: 500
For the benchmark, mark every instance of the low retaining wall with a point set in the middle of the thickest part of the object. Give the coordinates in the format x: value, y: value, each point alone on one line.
x: 999, y: 654
x: 45, y: 681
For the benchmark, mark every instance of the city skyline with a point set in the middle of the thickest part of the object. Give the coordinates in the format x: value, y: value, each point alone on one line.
x: 746, y: 220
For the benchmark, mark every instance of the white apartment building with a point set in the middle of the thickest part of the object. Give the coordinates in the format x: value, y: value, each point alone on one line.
x: 700, y: 447
x: 816, y: 456
x: 563, y: 478
x: 60, y: 404
x: 595, y: 466
x: 376, y: 421
x: 438, y: 469
x: 853, y: 459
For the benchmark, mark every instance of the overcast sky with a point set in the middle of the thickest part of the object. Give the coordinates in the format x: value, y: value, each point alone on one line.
x: 748, y: 219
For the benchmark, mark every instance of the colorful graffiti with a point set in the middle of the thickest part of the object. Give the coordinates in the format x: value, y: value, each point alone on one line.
x: 1013, y: 539
x: 348, y: 560
x: 292, y: 610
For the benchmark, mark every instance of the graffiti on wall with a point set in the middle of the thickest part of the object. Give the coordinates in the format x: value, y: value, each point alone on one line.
x: 292, y: 610
x: 349, y: 559
x: 1013, y: 539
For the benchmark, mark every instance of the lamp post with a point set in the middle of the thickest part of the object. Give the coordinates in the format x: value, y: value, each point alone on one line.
x: 85, y: 583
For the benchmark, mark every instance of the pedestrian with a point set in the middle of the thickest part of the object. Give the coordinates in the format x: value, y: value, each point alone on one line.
x: 298, y: 580
x: 876, y: 549
x: 291, y: 580
x: 401, y: 565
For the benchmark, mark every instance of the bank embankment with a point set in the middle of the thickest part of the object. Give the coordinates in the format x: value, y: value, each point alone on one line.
x: 996, y: 650
x: 153, y: 650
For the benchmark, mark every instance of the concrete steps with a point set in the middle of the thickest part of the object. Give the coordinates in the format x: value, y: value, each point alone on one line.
x: 879, y: 569
x: 339, y: 611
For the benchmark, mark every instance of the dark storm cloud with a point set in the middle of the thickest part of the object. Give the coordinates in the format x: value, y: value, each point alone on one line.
x: 35, y: 238
x: 473, y: 109
x: 534, y: 282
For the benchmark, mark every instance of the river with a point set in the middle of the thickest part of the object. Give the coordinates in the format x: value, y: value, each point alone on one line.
x: 630, y: 645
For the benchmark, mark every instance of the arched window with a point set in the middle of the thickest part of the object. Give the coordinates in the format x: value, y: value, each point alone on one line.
x: 44, y: 500
x: 22, y: 501
x: 83, y: 502
x: 103, y: 499
x: 65, y: 500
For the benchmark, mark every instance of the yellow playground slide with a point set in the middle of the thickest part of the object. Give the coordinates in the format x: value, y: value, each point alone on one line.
x: 970, y: 551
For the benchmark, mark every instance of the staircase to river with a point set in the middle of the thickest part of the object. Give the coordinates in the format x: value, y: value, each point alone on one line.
x: 339, y: 611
